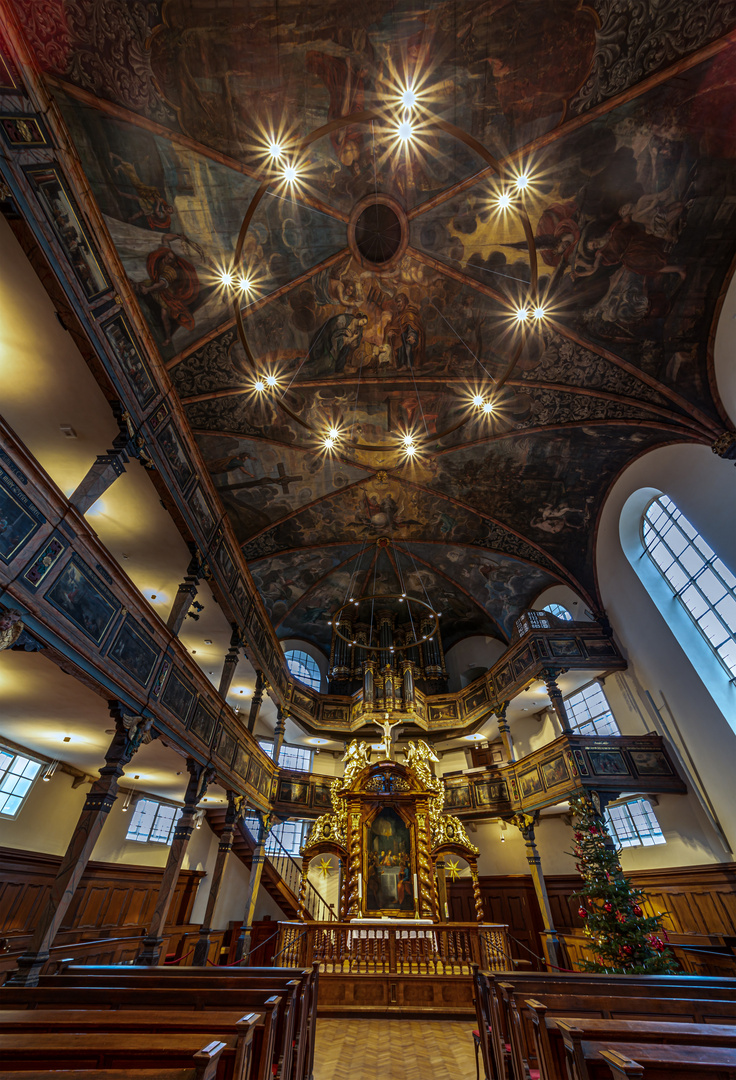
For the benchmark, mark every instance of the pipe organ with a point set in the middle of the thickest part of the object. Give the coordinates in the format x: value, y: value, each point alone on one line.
x: 387, y: 656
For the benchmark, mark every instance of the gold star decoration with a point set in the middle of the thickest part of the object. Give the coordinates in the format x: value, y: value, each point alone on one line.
x: 453, y: 869
x: 325, y: 867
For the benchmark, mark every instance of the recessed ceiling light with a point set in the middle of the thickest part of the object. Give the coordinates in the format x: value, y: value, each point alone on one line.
x: 208, y: 641
x: 67, y: 738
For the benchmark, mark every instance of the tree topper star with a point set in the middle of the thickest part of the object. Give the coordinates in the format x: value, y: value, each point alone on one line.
x: 325, y: 867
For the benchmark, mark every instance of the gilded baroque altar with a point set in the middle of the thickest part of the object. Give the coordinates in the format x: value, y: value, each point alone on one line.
x: 389, y: 830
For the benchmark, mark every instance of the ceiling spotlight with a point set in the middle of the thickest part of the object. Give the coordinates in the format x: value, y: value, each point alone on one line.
x: 503, y: 202
x: 290, y: 173
x: 478, y: 401
x: 333, y: 433
x: 408, y: 98
x: 260, y: 386
x: 328, y: 443
x: 539, y: 312
x: 226, y: 278
x: 522, y: 181
x: 487, y: 406
x: 245, y: 284
x: 405, y: 131
x: 270, y: 380
x: 128, y: 800
x: 522, y: 315
x: 50, y: 770
x: 275, y: 150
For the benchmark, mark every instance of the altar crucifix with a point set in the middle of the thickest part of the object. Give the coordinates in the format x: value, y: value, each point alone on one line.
x: 387, y: 727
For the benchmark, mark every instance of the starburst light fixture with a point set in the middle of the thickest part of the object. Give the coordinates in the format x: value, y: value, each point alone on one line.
x: 325, y: 867
x: 287, y: 160
x: 453, y: 869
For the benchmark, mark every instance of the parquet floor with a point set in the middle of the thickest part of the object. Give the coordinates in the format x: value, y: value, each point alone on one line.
x: 394, y: 1050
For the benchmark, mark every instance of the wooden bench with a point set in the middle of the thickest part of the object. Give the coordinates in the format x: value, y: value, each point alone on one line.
x: 266, y: 1052
x: 38, y: 1050
x: 232, y: 1028
x: 277, y: 979
x: 526, y: 1040
x: 598, y: 1060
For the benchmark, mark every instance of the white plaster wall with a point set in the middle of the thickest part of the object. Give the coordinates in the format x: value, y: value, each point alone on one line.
x: 464, y: 660
x: 46, y: 819
x: 563, y: 594
x: 702, y: 485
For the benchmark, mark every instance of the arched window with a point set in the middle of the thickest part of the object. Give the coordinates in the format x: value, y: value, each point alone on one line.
x: 558, y: 610
x: 304, y: 668
x: 705, y: 587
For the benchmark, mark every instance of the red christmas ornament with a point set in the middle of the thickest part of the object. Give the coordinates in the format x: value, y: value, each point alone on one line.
x: 608, y: 907
x: 593, y: 830
x: 582, y: 913
x: 637, y: 911
x: 628, y: 950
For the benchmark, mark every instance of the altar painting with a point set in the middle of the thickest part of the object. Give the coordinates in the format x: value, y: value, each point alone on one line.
x: 388, y: 864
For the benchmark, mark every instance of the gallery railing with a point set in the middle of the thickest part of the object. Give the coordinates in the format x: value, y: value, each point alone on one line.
x: 395, y: 949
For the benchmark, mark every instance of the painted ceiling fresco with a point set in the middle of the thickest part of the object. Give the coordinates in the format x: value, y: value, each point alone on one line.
x: 622, y: 117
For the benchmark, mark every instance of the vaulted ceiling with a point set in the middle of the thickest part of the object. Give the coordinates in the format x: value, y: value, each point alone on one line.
x: 621, y: 116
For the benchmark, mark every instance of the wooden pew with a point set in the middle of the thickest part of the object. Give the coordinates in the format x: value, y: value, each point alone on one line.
x: 231, y: 1028
x: 487, y: 1012
x: 585, y: 1060
x: 266, y: 1052
x: 525, y: 1037
x: 175, y: 975
x: 38, y: 1050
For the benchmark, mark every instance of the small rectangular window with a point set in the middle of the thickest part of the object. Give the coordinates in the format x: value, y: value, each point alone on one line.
x: 589, y: 712
x: 286, y: 837
x: 291, y: 757
x: 633, y: 824
x: 17, y: 773
x: 153, y: 822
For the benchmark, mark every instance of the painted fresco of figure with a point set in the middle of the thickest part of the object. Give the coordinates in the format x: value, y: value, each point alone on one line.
x: 173, y: 286
x: 627, y: 243
x: 345, y: 83
x: 337, y: 339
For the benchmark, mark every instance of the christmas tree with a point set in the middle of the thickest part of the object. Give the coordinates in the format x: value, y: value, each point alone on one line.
x: 623, y: 939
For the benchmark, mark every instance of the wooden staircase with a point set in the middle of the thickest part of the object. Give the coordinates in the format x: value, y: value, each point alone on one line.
x: 271, y: 880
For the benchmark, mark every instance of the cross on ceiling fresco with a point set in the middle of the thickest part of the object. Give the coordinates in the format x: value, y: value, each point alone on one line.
x: 384, y: 284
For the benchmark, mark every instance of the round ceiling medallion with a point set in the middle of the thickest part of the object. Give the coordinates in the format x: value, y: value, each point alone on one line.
x: 378, y: 232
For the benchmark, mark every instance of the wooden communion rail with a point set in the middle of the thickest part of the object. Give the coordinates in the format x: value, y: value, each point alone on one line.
x: 366, y: 967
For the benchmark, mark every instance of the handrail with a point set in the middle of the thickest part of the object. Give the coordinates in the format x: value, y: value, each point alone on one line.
x: 78, y: 944
x: 317, y: 900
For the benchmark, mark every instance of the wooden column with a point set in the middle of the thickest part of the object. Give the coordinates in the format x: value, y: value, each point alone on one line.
x: 477, y: 898
x: 185, y: 595
x: 255, y: 705
x: 550, y: 942
x: 278, y: 734
x: 201, y: 949
x: 353, y: 898
x: 505, y: 732
x: 108, y: 467
x: 304, y: 880
x: 242, y: 951
x: 441, y: 888
x: 97, y: 806
x: 427, y: 905
x: 555, y: 696
x: 200, y: 777
x: 231, y: 662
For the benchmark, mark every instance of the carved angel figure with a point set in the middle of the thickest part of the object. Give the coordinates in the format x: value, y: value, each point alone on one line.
x: 418, y: 758
x: 139, y: 731
x: 357, y: 756
x: 11, y: 627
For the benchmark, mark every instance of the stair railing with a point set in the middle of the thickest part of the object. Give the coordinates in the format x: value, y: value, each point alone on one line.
x: 291, y: 872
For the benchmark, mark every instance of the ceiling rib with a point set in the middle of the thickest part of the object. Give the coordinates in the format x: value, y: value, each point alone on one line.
x: 576, y: 122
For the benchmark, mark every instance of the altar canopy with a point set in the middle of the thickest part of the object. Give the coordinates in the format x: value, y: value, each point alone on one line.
x: 389, y: 831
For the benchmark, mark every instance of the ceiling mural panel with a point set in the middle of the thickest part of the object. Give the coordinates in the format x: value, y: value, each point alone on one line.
x: 174, y: 217
x: 385, y: 283
x: 503, y: 586
x: 561, y: 488
x: 504, y: 71
x: 260, y: 483
x: 282, y: 580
